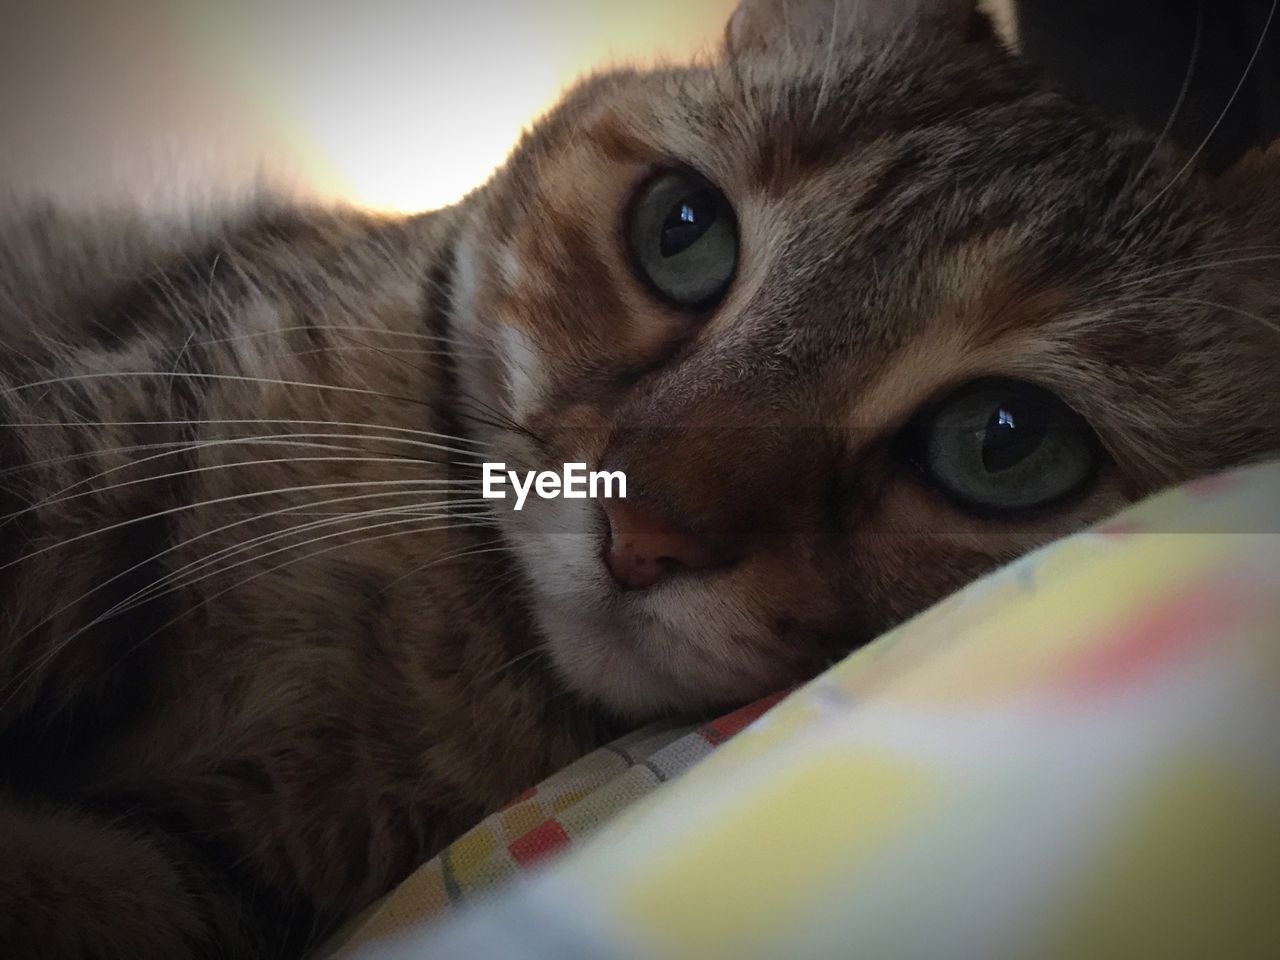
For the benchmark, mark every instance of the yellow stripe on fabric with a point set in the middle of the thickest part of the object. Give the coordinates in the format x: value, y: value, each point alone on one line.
x: 523, y: 817
x: 567, y: 799
x: 744, y: 876
x: 421, y: 897
x: 470, y: 854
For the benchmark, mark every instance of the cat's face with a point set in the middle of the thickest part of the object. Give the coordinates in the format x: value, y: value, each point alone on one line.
x: 861, y: 313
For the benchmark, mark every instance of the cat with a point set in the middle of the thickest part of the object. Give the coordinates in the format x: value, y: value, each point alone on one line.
x: 859, y: 306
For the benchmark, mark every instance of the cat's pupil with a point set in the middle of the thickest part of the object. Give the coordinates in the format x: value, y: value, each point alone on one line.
x: 688, y: 220
x: 1014, y: 431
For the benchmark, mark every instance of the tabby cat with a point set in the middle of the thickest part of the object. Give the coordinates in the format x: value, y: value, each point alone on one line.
x: 861, y: 308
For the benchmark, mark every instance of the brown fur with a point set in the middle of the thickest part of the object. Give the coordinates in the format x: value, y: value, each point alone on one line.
x: 329, y: 694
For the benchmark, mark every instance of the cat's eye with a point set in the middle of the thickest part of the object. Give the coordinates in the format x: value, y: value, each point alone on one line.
x: 1004, y: 446
x: 683, y: 239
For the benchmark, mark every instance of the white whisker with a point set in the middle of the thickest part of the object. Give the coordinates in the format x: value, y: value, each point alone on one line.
x: 317, y: 553
x: 36, y: 665
x: 337, y: 327
x: 148, y: 593
x: 241, y: 422
x: 1213, y: 304
x: 238, y: 523
x: 217, y: 377
x: 183, y: 446
x: 1257, y: 50
x: 63, y: 496
x: 1181, y: 99
x: 278, y: 491
x: 1195, y: 268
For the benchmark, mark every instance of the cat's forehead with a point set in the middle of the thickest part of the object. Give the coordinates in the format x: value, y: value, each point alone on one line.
x: 845, y: 176
x: 944, y: 142
x: 772, y: 117
x: 884, y: 205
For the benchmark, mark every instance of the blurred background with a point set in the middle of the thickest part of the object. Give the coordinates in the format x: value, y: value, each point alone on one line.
x: 405, y: 105
x: 397, y: 105
x: 393, y: 104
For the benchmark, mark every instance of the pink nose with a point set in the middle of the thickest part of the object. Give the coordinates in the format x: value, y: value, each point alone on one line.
x: 644, y: 547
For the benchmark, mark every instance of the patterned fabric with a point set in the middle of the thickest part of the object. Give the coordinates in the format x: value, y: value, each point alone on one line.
x: 1075, y: 757
x: 543, y: 821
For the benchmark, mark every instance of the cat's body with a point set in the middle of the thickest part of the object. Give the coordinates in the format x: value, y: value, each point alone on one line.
x: 329, y: 720
x: 357, y: 657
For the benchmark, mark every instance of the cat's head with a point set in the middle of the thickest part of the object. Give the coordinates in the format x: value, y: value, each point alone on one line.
x: 862, y: 310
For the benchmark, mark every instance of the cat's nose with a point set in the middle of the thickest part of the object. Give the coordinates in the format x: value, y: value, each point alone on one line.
x: 644, y: 547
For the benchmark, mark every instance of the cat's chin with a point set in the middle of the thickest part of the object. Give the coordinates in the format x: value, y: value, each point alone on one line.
x: 633, y: 666
x: 599, y: 658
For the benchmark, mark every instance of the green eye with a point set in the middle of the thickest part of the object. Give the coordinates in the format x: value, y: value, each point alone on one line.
x: 1005, y: 446
x: 684, y: 239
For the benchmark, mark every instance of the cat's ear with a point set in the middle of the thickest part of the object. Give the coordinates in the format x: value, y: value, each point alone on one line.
x: 767, y: 25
